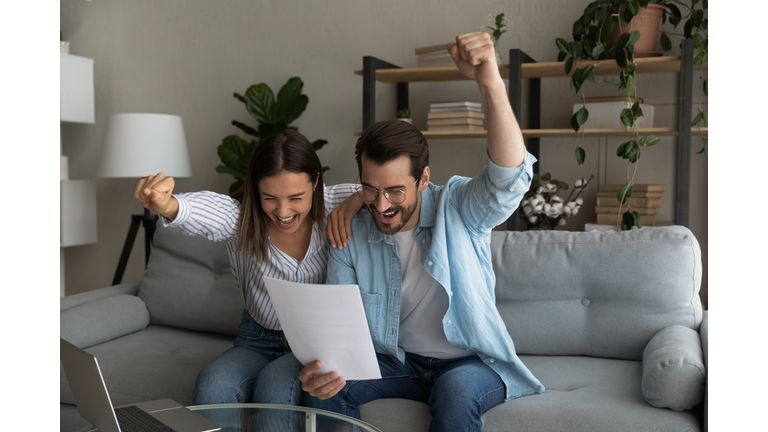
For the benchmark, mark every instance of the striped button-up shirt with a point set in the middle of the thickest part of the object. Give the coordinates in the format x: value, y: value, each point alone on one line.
x: 214, y: 216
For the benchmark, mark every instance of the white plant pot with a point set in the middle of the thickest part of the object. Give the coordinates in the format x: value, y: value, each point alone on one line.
x: 64, y: 47
x: 406, y: 120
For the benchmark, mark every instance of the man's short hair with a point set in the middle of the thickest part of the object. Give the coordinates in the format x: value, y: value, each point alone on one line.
x: 388, y: 140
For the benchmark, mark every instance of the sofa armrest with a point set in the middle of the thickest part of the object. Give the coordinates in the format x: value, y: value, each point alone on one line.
x: 104, y: 319
x: 68, y: 302
x: 673, y: 369
x: 704, y: 333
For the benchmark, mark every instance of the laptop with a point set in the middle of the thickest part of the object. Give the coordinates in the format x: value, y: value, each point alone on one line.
x: 95, y: 406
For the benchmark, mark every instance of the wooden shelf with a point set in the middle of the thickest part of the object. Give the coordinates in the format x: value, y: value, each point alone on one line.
x: 564, y: 133
x: 530, y: 70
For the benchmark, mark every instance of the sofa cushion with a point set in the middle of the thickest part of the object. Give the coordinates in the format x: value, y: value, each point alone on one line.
x: 159, y: 362
x: 597, y: 294
x: 188, y: 284
x: 582, y: 394
x: 673, y: 369
x: 118, y: 315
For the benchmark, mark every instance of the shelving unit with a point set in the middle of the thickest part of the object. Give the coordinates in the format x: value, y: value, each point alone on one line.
x: 521, y: 66
x: 77, y: 197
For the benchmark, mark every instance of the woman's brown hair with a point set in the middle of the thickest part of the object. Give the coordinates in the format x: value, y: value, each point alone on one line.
x: 284, y: 150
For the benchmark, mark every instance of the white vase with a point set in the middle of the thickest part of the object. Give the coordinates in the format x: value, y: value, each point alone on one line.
x: 64, y: 47
x: 406, y: 120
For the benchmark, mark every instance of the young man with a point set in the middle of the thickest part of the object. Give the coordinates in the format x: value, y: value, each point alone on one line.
x: 421, y: 256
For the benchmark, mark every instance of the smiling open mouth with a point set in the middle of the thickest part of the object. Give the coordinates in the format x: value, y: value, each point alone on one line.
x: 388, y: 216
x: 286, y: 222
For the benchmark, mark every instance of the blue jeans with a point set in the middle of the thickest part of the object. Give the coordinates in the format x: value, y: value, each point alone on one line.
x: 232, y: 377
x: 458, y: 391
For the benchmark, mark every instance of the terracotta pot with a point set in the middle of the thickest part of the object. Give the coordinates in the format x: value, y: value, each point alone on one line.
x: 647, y: 22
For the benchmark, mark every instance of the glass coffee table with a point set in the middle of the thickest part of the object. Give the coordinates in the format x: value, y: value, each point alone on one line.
x: 249, y: 417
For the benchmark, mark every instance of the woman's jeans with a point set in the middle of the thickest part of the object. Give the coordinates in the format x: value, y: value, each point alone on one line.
x: 458, y: 391
x: 234, y: 376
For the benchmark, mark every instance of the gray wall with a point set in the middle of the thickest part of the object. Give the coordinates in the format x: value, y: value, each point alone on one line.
x: 188, y: 57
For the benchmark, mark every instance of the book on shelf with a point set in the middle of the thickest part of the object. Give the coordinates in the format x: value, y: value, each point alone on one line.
x: 636, y: 188
x: 635, y: 194
x: 454, y: 114
x: 431, y: 49
x: 634, y: 202
x: 473, y: 109
x: 455, y: 121
x: 467, y: 127
x: 455, y: 104
x: 615, y: 210
x: 610, y: 219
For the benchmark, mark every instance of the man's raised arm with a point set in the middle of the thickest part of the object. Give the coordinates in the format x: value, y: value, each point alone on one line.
x: 475, y: 57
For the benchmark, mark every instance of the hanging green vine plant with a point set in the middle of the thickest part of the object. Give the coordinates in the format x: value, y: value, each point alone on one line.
x: 591, y: 33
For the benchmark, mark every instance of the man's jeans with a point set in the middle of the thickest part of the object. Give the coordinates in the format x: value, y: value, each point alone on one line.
x: 231, y: 377
x: 458, y: 391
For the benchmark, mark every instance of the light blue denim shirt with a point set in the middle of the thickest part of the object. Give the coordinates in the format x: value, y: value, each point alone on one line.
x: 454, y: 232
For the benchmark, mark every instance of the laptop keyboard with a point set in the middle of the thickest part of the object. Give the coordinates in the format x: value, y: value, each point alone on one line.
x: 133, y: 419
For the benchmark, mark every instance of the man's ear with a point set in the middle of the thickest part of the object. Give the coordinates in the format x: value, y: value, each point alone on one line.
x: 424, y: 179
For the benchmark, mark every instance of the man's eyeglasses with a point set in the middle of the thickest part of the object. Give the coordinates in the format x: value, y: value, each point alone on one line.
x: 395, y: 196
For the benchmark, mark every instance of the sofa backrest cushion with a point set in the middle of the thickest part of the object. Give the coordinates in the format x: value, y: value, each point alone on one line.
x: 189, y: 284
x: 117, y: 315
x: 596, y: 294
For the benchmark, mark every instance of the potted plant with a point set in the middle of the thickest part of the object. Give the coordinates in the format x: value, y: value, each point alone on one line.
x: 543, y: 209
x: 498, y: 25
x: 592, y: 41
x: 271, y: 114
x: 404, y: 115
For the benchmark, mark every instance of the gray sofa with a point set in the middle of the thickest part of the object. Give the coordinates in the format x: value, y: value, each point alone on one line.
x: 611, y: 323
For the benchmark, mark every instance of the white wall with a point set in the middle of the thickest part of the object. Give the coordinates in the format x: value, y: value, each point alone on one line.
x: 187, y: 57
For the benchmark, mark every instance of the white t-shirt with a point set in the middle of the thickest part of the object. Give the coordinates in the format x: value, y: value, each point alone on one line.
x: 423, y: 304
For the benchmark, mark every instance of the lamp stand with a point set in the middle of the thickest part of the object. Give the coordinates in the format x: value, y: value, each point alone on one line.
x: 149, y: 220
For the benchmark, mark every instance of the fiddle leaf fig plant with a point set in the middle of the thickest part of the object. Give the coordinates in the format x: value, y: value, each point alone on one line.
x: 591, y: 34
x: 271, y: 114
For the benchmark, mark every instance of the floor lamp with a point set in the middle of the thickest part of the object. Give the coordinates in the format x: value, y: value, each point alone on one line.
x: 137, y: 145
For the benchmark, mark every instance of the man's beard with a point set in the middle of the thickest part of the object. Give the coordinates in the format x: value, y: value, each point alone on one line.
x: 405, y: 215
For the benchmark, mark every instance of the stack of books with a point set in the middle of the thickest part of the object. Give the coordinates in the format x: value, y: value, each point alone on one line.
x: 455, y: 116
x: 433, y: 56
x: 644, y: 200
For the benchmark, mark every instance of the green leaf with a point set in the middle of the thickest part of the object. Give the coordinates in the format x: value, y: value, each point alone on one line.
x: 666, y: 44
x: 546, y: 177
x: 245, y: 128
x: 574, y: 122
x: 621, y: 58
x: 260, y: 103
x: 623, y: 40
x: 318, y: 144
x: 696, y: 17
x: 706, y: 91
x: 293, y: 109
x: 581, y: 155
x: 622, y: 196
x: 630, y: 85
x: 568, y: 65
x: 636, y: 110
x: 699, y: 117
x: 688, y: 28
x: 633, y: 6
x: 597, y: 50
x: 698, y: 41
x: 633, y: 37
x: 562, y: 45
x: 700, y: 58
x: 634, y: 153
x: 586, y: 73
x: 239, y: 97
x: 704, y: 149
x: 576, y: 81
x: 581, y: 116
x: 620, y: 150
x: 637, y: 219
x: 605, y: 32
x: 576, y: 49
x: 675, y: 11
x: 648, y: 140
x: 561, y: 56
x: 626, y: 16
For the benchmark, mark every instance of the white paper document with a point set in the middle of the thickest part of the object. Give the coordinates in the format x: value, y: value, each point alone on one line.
x: 326, y: 323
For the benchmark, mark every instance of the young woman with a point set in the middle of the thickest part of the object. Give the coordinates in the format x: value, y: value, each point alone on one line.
x: 272, y: 226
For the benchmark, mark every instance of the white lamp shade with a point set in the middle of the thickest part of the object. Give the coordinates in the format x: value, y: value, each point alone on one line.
x: 138, y: 145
